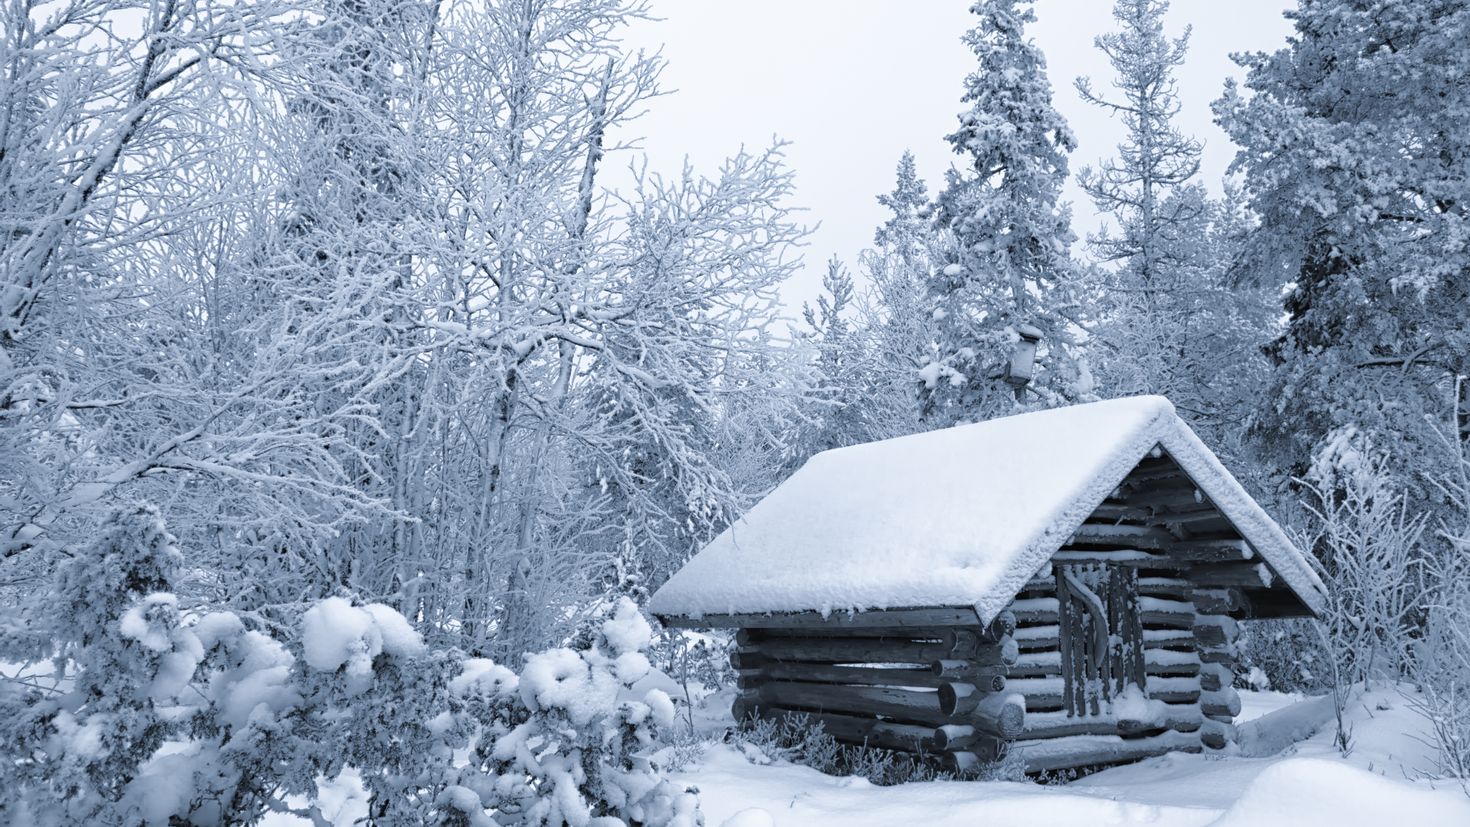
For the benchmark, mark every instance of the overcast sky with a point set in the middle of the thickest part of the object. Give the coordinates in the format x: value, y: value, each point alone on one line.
x: 852, y: 83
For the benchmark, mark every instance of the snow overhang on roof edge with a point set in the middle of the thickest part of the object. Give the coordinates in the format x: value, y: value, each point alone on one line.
x: 1158, y: 427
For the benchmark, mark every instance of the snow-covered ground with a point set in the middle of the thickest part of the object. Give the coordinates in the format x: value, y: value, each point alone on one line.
x: 1380, y: 784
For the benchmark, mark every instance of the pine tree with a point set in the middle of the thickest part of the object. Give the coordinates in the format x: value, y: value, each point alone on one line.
x: 1164, y: 318
x: 911, y: 213
x: 1354, y: 154
x: 1155, y: 158
x: 1006, y: 233
x: 837, y: 414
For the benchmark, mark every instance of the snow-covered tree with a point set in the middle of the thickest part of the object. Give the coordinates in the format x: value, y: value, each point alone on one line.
x: 909, y: 224
x: 1153, y: 161
x: 892, y: 311
x: 1166, y: 314
x: 1353, y: 155
x: 1006, y: 265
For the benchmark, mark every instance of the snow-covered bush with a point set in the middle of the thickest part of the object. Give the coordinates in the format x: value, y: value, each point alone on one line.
x: 568, y: 742
x: 1288, y: 654
x: 162, y: 715
x: 80, y: 749
x: 1368, y: 551
x: 1442, y: 654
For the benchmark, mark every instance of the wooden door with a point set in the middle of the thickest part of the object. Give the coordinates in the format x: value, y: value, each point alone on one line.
x: 1100, y: 633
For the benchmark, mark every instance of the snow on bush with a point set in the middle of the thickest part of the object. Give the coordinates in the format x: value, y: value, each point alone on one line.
x: 163, y: 717
x: 335, y: 633
x: 566, y: 744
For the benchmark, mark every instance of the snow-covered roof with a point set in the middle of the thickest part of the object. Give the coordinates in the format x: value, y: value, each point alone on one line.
x: 956, y: 517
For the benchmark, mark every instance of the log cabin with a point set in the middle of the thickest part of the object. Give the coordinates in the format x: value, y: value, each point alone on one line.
x: 1066, y: 584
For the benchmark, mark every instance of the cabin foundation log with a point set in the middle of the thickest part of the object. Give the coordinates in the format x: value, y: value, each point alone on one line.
x: 905, y: 705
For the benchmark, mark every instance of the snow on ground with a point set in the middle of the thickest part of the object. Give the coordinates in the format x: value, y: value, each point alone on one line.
x: 1380, y: 784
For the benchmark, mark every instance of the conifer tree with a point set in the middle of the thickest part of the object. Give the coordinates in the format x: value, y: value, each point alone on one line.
x: 908, y: 225
x: 1154, y: 160
x: 1354, y: 154
x: 1164, y: 318
x: 1006, y: 234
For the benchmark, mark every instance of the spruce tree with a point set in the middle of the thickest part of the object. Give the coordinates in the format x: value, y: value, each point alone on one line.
x: 908, y: 225
x: 1005, y: 234
x: 1354, y: 152
x: 1164, y: 317
x: 1155, y: 158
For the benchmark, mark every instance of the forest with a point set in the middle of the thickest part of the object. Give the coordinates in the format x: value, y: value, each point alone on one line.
x: 349, y: 413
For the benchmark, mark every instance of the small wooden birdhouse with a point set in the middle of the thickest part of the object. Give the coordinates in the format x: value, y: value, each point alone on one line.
x: 1023, y: 356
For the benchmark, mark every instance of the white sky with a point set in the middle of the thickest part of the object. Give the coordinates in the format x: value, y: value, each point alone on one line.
x: 852, y: 83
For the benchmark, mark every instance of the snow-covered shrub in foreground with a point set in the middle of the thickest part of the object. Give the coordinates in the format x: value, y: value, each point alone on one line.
x: 566, y: 743
x: 159, y: 719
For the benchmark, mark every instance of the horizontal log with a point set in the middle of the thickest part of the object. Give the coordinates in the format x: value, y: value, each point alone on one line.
x: 904, y: 705
x: 753, y: 637
x: 1219, y: 601
x: 1042, y: 694
x: 873, y: 618
x: 1193, y: 519
x: 1174, y: 587
x: 1178, y: 497
x: 1036, y: 637
x: 1215, y: 676
x: 1164, y: 611
x: 1130, y: 557
x: 1119, y: 512
x: 1217, y: 734
x: 1168, y: 638
x: 1029, y: 611
x: 1162, y: 662
x: 987, y: 678
x: 1244, y: 575
x: 1183, y: 696
x: 1036, y: 664
x: 1122, y: 535
x: 1216, y: 630
x: 1087, y: 750
x: 1172, y: 670
x: 957, y: 737
x: 1190, y: 684
x: 969, y: 760
x: 1226, y: 655
x: 1221, y: 703
x: 1043, y: 585
x: 916, y: 676
x: 859, y: 730
x: 1213, y: 551
x: 965, y: 646
x: 1178, y: 717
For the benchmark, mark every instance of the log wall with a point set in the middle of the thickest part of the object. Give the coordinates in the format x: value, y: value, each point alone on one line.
x: 940, y: 690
